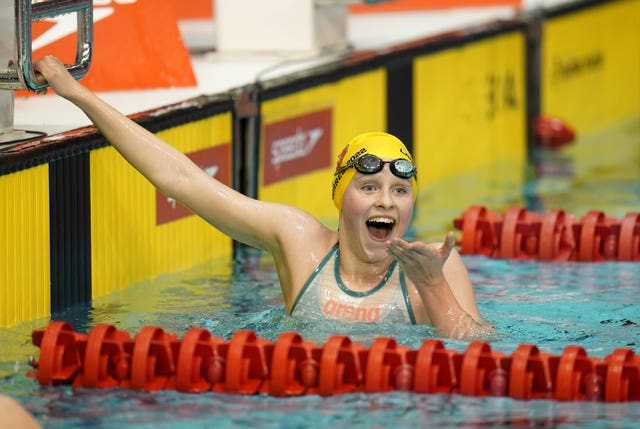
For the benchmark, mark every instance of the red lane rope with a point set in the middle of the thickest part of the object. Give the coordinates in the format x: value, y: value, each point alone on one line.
x: 554, y: 236
x: 248, y: 365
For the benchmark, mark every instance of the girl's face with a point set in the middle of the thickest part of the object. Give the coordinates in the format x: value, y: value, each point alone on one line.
x: 375, y: 209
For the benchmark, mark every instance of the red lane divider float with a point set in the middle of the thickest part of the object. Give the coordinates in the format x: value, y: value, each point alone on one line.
x: 248, y: 365
x: 554, y: 236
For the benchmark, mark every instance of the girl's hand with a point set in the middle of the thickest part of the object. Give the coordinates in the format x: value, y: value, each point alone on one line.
x: 50, y: 70
x: 423, y: 263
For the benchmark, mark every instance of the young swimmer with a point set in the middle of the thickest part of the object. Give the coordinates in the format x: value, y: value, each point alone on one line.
x: 363, y: 271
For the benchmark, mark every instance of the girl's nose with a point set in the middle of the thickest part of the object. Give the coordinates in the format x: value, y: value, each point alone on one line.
x: 384, y: 199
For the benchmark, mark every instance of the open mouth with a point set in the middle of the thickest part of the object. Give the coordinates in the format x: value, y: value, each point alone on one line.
x: 380, y: 227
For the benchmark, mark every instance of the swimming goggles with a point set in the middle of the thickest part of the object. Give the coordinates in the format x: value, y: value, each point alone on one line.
x: 371, y: 164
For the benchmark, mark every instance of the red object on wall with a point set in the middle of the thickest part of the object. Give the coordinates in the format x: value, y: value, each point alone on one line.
x: 553, y: 133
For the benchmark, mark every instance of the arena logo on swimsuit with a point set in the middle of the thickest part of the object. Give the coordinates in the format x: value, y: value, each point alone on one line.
x: 216, y: 161
x: 297, y: 146
x: 350, y: 312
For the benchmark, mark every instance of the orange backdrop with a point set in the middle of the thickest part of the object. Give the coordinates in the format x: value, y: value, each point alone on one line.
x: 136, y: 46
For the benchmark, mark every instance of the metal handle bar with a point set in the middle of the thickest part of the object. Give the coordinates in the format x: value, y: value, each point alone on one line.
x: 22, y: 75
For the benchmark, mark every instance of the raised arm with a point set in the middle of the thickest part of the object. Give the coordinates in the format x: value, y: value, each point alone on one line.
x: 169, y: 170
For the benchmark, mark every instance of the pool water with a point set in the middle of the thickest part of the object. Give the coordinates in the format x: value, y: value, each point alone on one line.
x: 550, y: 304
x: 553, y: 305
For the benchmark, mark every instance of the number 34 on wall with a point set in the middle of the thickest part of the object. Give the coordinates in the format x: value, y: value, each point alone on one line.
x: 501, y: 93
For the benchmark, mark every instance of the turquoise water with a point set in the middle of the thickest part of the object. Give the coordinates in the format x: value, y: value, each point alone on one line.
x: 549, y: 304
x: 552, y: 305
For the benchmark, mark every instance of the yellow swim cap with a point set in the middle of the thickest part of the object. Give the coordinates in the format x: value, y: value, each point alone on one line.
x: 380, y: 144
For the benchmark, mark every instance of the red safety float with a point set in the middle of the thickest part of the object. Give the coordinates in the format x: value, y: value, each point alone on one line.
x: 106, y: 359
x: 554, y: 236
x: 60, y: 353
x: 574, y: 371
x: 518, y: 235
x: 247, y: 364
x: 479, y: 236
x: 556, y: 239
x: 474, y: 367
x: 294, y: 366
x: 386, y: 367
x: 595, y: 239
x: 528, y: 373
x: 622, y: 377
x: 152, y: 360
x: 434, y: 369
x: 629, y: 241
x: 197, y: 357
x: 340, y: 369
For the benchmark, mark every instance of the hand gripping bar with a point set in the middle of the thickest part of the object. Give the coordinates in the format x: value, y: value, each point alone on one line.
x: 21, y: 75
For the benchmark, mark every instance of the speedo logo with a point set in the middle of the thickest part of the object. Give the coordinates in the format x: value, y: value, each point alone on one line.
x: 295, y: 146
x: 66, y: 24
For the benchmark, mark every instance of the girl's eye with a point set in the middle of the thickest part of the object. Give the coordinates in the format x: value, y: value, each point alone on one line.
x: 368, y: 188
x: 400, y: 190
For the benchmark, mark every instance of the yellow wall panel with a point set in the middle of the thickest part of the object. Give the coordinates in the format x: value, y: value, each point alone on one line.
x: 470, y: 109
x: 357, y: 104
x: 591, y: 65
x: 127, y: 244
x: 24, y: 246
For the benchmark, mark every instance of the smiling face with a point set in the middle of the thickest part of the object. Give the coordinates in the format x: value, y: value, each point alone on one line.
x: 375, y: 208
x: 375, y: 146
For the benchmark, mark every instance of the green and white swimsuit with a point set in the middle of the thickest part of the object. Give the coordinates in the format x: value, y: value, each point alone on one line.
x: 324, y: 295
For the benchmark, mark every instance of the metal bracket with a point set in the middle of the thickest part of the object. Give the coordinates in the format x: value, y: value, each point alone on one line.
x: 21, y: 75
